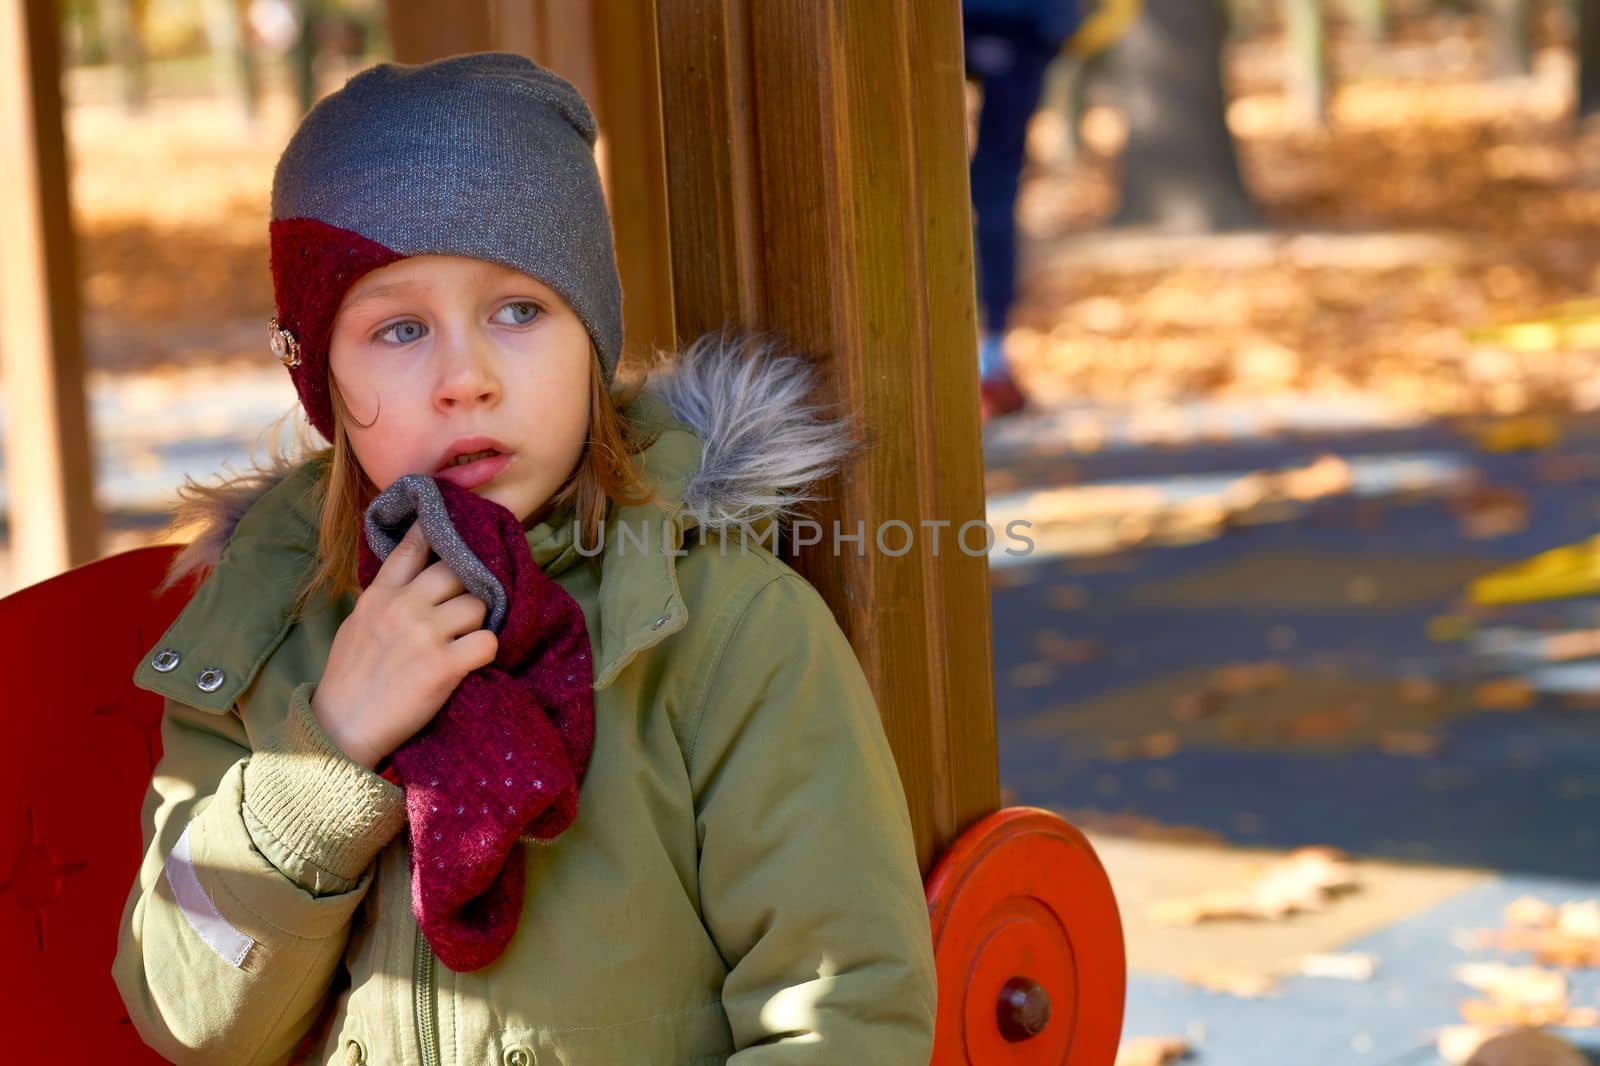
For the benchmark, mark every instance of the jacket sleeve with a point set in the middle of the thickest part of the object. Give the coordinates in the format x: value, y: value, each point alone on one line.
x: 809, y: 879
x: 254, y: 864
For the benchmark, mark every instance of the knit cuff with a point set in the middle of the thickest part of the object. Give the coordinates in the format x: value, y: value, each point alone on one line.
x: 325, y: 817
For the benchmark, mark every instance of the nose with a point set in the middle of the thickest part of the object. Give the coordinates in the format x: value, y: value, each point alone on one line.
x: 467, y: 374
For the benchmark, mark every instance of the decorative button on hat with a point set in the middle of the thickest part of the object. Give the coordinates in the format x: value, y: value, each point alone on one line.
x: 283, y: 344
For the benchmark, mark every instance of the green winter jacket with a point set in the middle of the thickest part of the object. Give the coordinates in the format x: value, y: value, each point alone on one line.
x: 740, y: 885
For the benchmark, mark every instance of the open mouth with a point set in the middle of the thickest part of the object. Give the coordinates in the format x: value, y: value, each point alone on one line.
x: 471, y: 457
x: 473, y: 469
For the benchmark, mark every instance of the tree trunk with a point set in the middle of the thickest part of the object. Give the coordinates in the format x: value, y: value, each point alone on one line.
x: 82, y: 43
x: 230, y: 50
x: 303, y: 56
x: 1371, y: 17
x: 1068, y: 90
x: 1510, y: 38
x: 1180, y: 172
x: 120, y: 25
x: 1308, y: 68
x: 1588, y: 57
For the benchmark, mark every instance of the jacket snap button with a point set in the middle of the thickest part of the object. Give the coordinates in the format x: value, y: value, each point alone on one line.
x: 166, y: 661
x: 518, y: 1056
x: 354, y: 1053
x: 210, y: 679
x: 659, y: 622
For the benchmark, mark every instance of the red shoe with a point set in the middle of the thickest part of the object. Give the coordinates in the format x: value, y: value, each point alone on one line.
x: 1000, y: 396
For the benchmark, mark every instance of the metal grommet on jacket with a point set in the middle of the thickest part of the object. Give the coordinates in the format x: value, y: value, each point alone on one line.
x: 210, y: 679
x: 354, y: 1053
x: 521, y: 1055
x: 165, y: 661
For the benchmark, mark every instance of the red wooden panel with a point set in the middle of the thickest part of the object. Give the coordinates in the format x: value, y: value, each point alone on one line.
x: 76, y: 752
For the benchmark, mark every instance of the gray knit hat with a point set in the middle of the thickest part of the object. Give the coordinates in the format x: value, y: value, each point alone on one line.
x: 486, y: 155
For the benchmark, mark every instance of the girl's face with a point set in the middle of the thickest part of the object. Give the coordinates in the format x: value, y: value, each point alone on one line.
x: 440, y: 357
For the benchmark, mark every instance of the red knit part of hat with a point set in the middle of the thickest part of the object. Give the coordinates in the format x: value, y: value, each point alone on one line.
x: 505, y: 755
x: 313, y: 266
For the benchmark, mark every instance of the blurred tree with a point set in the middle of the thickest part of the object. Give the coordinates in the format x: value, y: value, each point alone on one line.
x: 303, y: 56
x: 1180, y: 171
x: 235, y: 58
x: 1510, y: 37
x: 1588, y: 57
x: 1249, y: 18
x: 1068, y: 87
x: 1370, y: 16
x: 1084, y: 62
x: 81, y: 43
x: 1309, y: 72
x: 121, y: 30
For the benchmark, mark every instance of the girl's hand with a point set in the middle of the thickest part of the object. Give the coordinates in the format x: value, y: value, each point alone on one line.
x: 414, y: 634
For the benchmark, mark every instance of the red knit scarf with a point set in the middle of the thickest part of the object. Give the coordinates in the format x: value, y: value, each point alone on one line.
x: 505, y: 755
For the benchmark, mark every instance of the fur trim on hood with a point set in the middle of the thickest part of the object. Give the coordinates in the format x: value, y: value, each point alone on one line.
x: 766, y: 440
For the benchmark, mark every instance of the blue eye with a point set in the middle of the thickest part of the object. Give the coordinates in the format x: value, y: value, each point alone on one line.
x: 527, y: 308
x: 404, y: 332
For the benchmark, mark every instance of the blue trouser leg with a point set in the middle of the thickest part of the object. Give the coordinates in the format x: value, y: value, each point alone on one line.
x: 1010, y: 62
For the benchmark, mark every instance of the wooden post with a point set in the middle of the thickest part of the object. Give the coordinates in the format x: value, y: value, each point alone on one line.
x: 420, y: 32
x: 620, y: 82
x: 608, y: 50
x: 805, y: 171
x: 817, y: 186
x: 628, y: 101
x: 49, y: 464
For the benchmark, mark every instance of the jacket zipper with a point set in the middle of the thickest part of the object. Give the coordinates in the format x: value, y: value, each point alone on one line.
x: 427, y: 1005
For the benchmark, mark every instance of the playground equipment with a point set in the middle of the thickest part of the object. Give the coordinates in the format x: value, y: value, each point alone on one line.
x: 1027, y: 938
x: 801, y: 170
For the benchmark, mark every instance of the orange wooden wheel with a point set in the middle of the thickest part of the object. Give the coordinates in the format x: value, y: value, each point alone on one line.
x: 1028, y: 944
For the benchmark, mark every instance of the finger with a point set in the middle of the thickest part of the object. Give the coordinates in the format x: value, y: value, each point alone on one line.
x: 406, y: 560
x: 460, y: 615
x: 436, y: 584
x: 474, y: 650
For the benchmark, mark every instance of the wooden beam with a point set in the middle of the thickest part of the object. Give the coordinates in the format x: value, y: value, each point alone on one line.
x: 620, y: 81
x: 621, y: 84
x: 805, y: 172
x: 816, y: 177
x: 49, y: 462
x: 627, y: 101
x: 419, y: 32
x: 713, y: 193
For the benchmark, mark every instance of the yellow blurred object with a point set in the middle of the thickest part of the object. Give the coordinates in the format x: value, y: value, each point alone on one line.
x: 1520, y: 433
x: 1573, y: 570
x: 1103, y: 28
x: 1571, y: 325
x: 1448, y: 627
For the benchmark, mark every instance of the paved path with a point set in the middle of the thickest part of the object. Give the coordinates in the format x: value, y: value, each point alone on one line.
x: 1106, y: 683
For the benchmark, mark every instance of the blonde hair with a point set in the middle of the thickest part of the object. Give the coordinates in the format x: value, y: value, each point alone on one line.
x: 605, y: 471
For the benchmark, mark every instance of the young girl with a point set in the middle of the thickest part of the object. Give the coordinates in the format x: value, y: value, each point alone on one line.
x: 366, y: 839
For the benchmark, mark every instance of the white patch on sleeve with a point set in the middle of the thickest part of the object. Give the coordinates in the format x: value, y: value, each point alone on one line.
x: 202, y: 915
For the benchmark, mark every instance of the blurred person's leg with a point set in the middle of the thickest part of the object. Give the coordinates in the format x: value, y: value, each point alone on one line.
x: 1009, y: 60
